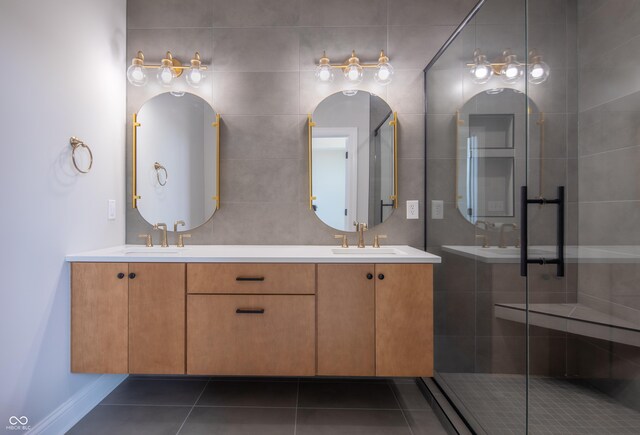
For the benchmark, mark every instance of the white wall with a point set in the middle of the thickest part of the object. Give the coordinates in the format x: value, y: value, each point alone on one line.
x: 66, y: 77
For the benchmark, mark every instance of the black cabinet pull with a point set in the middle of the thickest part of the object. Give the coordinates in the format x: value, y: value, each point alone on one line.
x: 369, y: 276
x: 250, y: 311
x: 120, y: 275
x: 132, y: 275
x: 380, y: 276
x: 250, y: 278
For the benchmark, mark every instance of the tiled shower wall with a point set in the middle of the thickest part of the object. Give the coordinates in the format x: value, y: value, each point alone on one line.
x: 262, y: 55
x: 609, y: 197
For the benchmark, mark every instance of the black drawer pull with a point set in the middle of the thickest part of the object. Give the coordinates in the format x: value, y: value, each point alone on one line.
x: 120, y: 275
x: 132, y: 275
x: 369, y: 276
x: 250, y: 278
x: 380, y: 276
x: 250, y: 311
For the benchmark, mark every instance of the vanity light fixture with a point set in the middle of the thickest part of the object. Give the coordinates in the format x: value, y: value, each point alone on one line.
x: 508, y: 68
x: 353, y: 70
x: 169, y: 69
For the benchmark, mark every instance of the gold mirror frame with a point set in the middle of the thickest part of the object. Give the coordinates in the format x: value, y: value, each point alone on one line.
x: 393, y: 123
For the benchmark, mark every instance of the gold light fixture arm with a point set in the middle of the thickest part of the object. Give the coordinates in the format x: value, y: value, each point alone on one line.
x: 324, y: 60
x: 216, y: 124
x: 394, y: 124
x: 134, y: 144
x: 311, y: 124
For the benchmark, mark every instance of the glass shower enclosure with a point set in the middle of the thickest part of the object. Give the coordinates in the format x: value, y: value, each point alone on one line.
x: 533, y: 147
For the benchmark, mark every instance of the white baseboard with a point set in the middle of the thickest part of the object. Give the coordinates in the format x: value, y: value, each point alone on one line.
x: 78, y: 405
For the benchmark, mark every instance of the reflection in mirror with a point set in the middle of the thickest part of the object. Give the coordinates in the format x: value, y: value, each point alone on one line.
x: 176, y: 160
x: 353, y: 164
x: 489, y: 146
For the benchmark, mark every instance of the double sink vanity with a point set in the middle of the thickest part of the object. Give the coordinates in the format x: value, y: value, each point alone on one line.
x: 253, y: 310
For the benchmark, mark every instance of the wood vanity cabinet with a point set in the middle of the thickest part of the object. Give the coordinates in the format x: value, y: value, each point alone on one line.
x: 252, y: 319
x: 128, y: 318
x: 375, y: 320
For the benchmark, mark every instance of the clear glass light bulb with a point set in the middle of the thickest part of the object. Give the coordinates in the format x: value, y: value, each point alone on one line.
x: 538, y: 73
x: 166, y: 76
x: 481, y: 73
x: 136, y: 75
x: 512, y: 70
x: 194, y: 77
x: 384, y: 74
x: 324, y: 73
x: 354, y: 74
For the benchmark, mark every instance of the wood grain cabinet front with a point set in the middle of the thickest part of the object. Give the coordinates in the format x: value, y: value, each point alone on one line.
x: 251, y: 335
x: 346, y: 320
x: 128, y: 318
x: 251, y: 278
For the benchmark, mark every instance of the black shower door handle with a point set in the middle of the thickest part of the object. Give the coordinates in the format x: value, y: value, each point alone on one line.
x: 524, y: 241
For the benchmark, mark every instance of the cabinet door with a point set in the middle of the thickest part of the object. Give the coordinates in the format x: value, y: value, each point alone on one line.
x: 157, y: 318
x: 99, y: 306
x: 346, y: 316
x: 404, y: 320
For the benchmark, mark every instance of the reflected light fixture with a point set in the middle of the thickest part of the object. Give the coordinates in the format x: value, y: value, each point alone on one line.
x: 169, y: 69
x: 538, y: 71
x: 353, y: 70
x: 509, y: 69
x: 481, y: 70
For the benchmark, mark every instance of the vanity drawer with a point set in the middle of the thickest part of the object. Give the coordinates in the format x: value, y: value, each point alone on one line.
x: 251, y: 335
x: 250, y: 278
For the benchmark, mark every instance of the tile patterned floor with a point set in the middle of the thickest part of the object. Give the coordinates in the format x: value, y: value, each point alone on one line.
x: 279, y: 406
x: 557, y: 406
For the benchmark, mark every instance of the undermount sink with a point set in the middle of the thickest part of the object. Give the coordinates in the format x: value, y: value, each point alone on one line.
x: 368, y: 251
x: 151, y: 251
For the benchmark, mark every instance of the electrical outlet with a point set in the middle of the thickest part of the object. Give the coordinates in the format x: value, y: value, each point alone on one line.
x: 413, y: 211
x: 111, y: 213
x: 437, y: 209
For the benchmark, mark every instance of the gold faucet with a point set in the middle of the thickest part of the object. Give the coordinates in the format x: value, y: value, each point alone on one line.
x: 376, y: 240
x: 175, y: 225
x: 181, y: 238
x: 148, y: 240
x: 502, y: 242
x: 485, y: 240
x: 360, y: 228
x: 345, y: 241
x: 157, y: 226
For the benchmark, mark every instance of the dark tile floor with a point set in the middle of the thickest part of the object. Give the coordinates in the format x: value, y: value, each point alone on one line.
x: 279, y: 406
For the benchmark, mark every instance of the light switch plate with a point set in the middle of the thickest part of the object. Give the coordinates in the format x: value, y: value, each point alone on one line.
x: 437, y: 209
x: 413, y: 211
x: 111, y: 214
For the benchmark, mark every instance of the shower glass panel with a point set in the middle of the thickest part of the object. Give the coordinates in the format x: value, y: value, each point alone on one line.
x: 551, y: 345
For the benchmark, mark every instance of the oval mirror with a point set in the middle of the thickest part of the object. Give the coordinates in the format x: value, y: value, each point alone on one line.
x: 490, y: 154
x: 353, y: 164
x: 176, y: 160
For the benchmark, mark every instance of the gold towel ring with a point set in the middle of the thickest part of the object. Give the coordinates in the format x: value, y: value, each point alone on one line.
x: 158, y: 167
x: 75, y: 144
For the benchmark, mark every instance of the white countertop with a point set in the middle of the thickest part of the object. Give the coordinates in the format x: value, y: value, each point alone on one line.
x: 254, y: 254
x: 573, y: 254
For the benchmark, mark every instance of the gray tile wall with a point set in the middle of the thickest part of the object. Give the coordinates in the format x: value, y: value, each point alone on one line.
x: 263, y: 53
x: 609, y: 197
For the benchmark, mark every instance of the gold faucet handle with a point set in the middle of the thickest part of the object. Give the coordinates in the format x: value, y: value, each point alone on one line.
x: 181, y: 238
x: 376, y: 240
x: 345, y: 241
x: 148, y: 239
x: 485, y: 240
